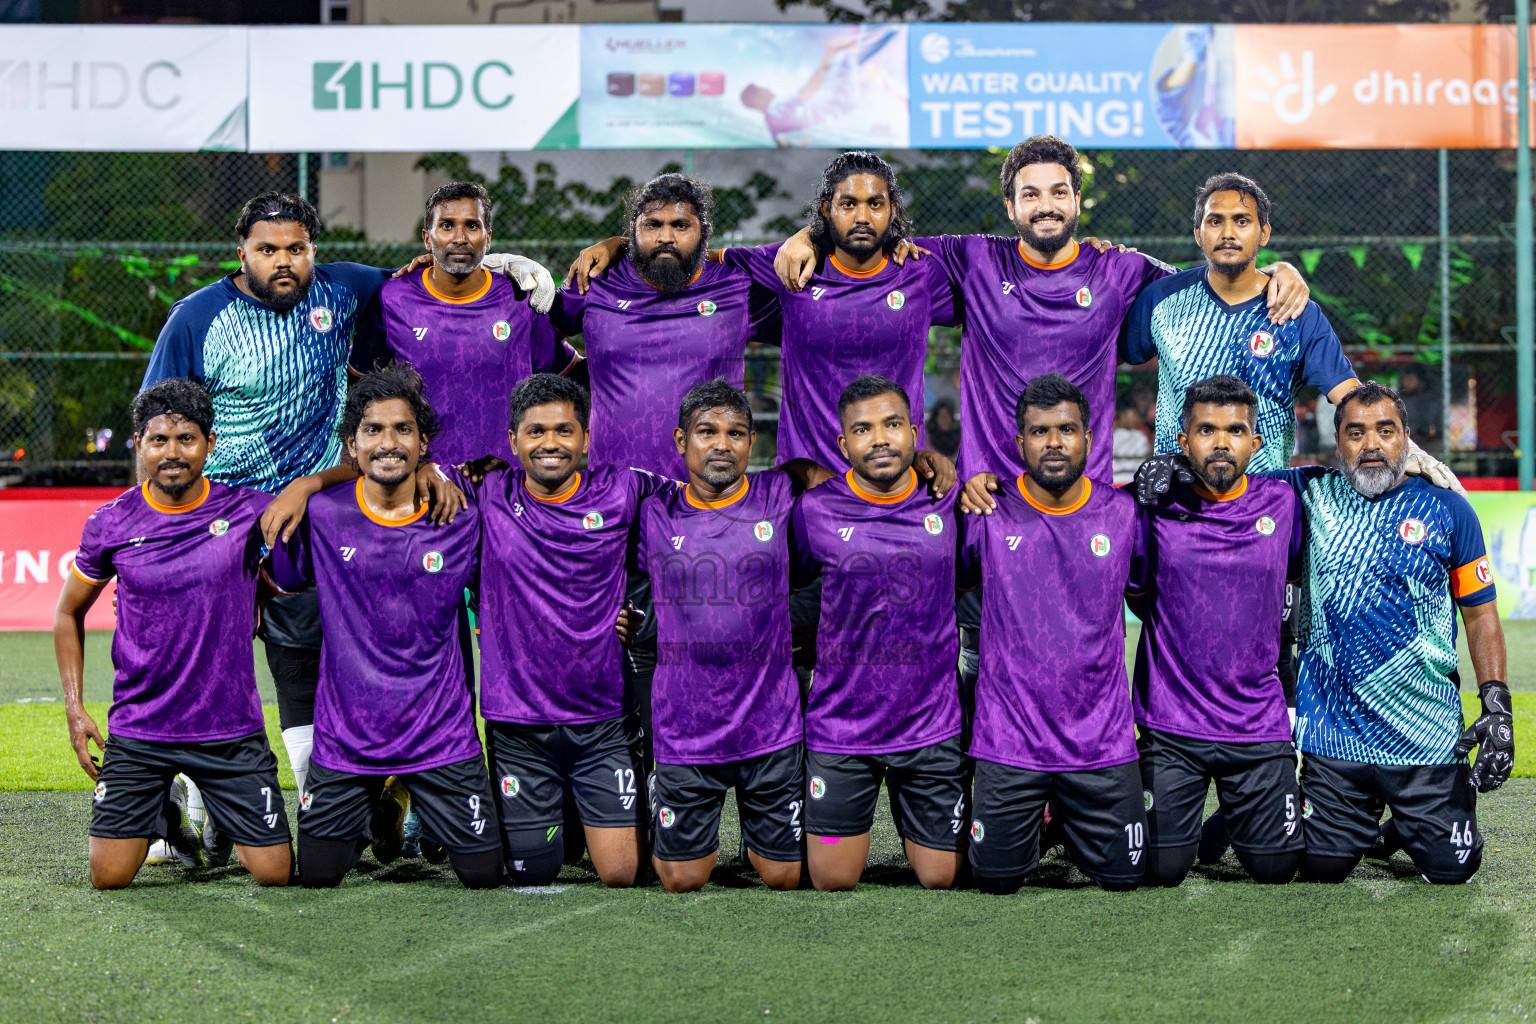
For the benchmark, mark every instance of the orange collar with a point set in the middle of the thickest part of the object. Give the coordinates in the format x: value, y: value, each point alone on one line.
x: 1050, y: 266
x: 175, y: 510
x: 1232, y: 495
x: 371, y: 514
x: 1079, y: 503
x: 426, y: 282
x: 746, y: 482
x: 564, y: 495
x: 883, y: 499
x: 858, y: 273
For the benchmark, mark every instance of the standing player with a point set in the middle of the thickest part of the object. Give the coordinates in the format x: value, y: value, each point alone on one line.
x: 185, y: 553
x: 885, y: 700
x: 392, y: 699
x: 270, y: 343
x: 471, y: 334
x: 1389, y: 561
x: 551, y: 687
x: 1053, y: 709
x: 727, y: 703
x: 1209, y: 701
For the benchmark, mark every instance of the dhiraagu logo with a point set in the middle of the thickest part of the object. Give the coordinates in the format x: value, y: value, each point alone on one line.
x: 425, y: 85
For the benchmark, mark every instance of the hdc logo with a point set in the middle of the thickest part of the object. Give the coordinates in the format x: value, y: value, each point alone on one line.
x: 436, y: 85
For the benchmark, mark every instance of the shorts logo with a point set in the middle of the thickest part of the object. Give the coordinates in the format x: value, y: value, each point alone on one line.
x: 219, y: 527
x: 592, y: 521
x: 818, y: 787
x: 895, y: 300
x: 707, y: 308
x: 501, y: 330
x: 321, y: 319
x: 933, y: 523
x: 1262, y: 344
x: 1265, y: 525
x: 100, y: 794
x: 665, y: 818
x: 1484, y: 574
x: 305, y: 801
x: 510, y: 785
x: 1412, y: 531
x: 1306, y: 808
x: 978, y: 832
x: 1099, y: 545
x: 1084, y: 297
x: 1146, y: 798
x: 763, y: 530
x: 432, y: 561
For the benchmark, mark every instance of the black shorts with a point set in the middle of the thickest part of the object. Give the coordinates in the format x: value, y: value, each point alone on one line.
x: 237, y: 778
x: 929, y: 790
x: 296, y: 678
x: 1255, y: 785
x: 291, y: 620
x: 1101, y: 811
x: 1434, y: 806
x: 770, y: 791
x: 532, y: 767
x: 454, y: 803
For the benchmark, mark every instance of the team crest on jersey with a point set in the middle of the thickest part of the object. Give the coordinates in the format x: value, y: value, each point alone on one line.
x: 1099, y: 545
x: 818, y: 787
x: 1265, y: 525
x: 707, y: 308
x: 510, y: 785
x: 933, y: 523
x: 592, y: 521
x: 1084, y: 297
x: 1261, y: 344
x: 978, y: 832
x: 100, y: 794
x: 1146, y: 798
x: 432, y: 561
x: 896, y: 300
x: 321, y: 319
x: 666, y: 818
x: 1484, y: 573
x: 219, y: 527
x: 501, y: 330
x: 763, y: 530
x: 1412, y: 531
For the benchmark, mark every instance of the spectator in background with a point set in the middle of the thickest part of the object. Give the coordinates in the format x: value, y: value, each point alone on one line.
x: 944, y: 429
x: 1132, y: 441
x: 1422, y: 399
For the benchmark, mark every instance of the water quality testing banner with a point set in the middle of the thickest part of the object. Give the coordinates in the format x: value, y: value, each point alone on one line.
x: 743, y: 86
x: 1121, y: 86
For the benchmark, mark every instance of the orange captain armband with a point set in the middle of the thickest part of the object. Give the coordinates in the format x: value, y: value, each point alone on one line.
x: 1470, y: 578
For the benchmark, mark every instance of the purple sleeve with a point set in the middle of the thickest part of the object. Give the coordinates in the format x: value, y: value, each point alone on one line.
x: 93, y: 559
x: 1141, y: 541
x: 947, y: 251
x: 1323, y: 362
x: 551, y: 353
x: 648, y: 483
x: 946, y: 307
x: 802, y: 563
x: 757, y: 261
x: 567, y: 312
x: 289, y: 567
x: 766, y: 323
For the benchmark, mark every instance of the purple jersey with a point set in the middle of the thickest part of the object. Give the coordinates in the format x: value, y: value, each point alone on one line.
x: 646, y: 347
x: 725, y: 686
x: 186, y: 609
x: 887, y: 648
x: 1051, y: 692
x: 394, y: 695
x: 843, y: 324
x: 551, y: 585
x: 1215, y: 586
x: 469, y: 352
x: 1023, y: 319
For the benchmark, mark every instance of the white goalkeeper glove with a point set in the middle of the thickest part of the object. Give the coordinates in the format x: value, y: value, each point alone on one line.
x: 1421, y: 463
x: 530, y: 276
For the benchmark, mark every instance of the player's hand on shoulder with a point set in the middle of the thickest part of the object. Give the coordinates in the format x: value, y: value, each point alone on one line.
x: 82, y: 730
x: 628, y: 623
x: 422, y: 260
x: 1494, y: 735
x: 796, y: 260
x: 807, y: 474
x: 1158, y: 474
x: 937, y: 470
x: 1104, y: 245
x: 976, y: 496
x: 1421, y: 463
x: 476, y: 470
x: 594, y: 259
x: 286, y: 511
x: 443, y: 497
x: 906, y: 249
x: 1286, y: 294
x: 529, y: 275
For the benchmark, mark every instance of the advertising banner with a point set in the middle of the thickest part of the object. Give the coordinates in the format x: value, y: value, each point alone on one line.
x: 1126, y: 86
x: 743, y: 86
x: 122, y: 87
x: 1509, y: 530
x: 37, y: 549
x: 394, y: 89
x: 1375, y: 86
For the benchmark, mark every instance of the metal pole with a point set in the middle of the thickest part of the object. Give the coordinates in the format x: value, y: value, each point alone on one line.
x: 688, y: 162
x: 1445, y: 303
x: 304, y: 176
x: 1526, y: 357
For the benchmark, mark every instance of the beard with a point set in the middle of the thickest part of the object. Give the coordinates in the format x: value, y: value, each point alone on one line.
x: 1374, y: 480
x: 860, y: 247
x: 1048, y: 246
x: 893, y: 472
x: 451, y: 259
x: 1231, y: 270
x: 720, y: 475
x: 553, y: 477
x: 1057, y: 481
x: 667, y: 274
x: 280, y: 302
x: 1218, y: 473
x: 390, y: 478
x: 174, y: 491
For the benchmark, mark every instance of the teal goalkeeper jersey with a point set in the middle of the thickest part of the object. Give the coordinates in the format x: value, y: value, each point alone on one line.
x: 1378, y: 626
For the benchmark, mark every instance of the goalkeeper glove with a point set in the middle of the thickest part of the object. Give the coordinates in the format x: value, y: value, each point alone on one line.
x: 529, y: 275
x: 1494, y: 736
x: 1421, y: 463
x: 1157, y: 474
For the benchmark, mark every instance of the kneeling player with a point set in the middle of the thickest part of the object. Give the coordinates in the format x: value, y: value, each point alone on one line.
x: 726, y: 701
x: 392, y: 698
x: 185, y: 551
x: 1053, y: 708
x: 1208, y: 699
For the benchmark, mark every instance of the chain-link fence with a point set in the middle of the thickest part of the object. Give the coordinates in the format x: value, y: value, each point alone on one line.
x: 94, y: 249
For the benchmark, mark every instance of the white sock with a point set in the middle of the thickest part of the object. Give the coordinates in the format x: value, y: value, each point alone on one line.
x: 196, y: 812
x: 299, y: 740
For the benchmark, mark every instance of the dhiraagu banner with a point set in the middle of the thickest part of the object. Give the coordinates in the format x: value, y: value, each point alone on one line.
x: 1509, y: 530
x: 1126, y: 86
